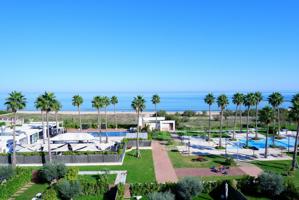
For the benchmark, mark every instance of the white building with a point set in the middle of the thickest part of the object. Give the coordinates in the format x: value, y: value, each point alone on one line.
x: 160, y: 123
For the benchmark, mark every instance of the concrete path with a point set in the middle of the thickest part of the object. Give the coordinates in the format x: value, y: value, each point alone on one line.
x: 164, y: 170
x: 120, y: 175
x: 250, y: 169
x: 21, y: 191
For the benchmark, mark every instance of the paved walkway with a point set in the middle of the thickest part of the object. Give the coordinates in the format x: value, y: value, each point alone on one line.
x: 164, y: 170
x: 250, y: 169
x: 21, y: 191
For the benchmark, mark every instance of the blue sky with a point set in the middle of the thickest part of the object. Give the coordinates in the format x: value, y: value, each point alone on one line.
x: 149, y: 45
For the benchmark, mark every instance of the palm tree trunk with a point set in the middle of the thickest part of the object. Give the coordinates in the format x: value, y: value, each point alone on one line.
x: 14, y: 158
x: 235, y: 122
x: 99, y: 126
x: 209, y: 135
x: 43, y: 127
x: 274, y: 129
x: 278, y: 121
x: 137, y: 138
x: 48, y: 134
x: 220, y: 135
x: 266, y: 142
x: 80, y: 118
x: 106, y: 123
x: 256, y: 114
x: 115, y: 122
x: 241, y: 126
x: 247, y: 132
x: 294, y: 161
x: 56, y: 119
x: 156, y: 116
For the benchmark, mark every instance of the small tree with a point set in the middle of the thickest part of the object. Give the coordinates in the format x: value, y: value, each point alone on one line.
x: 189, y: 187
x: 271, y: 184
x: 52, y: 172
x: 50, y: 194
x: 161, y: 196
x: 68, y: 190
x: 72, y: 174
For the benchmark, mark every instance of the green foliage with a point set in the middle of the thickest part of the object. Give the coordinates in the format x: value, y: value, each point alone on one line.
x: 95, y: 187
x: 291, y: 192
x: 189, y: 113
x: 70, y: 124
x: 72, y: 174
x: 229, y: 161
x: 161, y: 196
x: 147, y: 188
x: 120, y: 191
x: 161, y: 113
x: 271, y: 183
x: 15, y: 182
x: 189, y: 187
x: 6, y: 172
x: 51, y: 172
x: 161, y: 135
x: 50, y: 194
x: 68, y: 189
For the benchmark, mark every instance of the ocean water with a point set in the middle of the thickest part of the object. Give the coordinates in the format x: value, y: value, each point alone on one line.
x: 170, y: 101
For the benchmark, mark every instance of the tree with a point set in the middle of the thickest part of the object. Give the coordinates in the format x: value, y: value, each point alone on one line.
x: 249, y: 101
x: 49, y: 100
x: 238, y: 99
x: 106, y: 101
x: 114, y: 101
x: 77, y: 102
x: 189, y: 187
x: 15, y: 101
x: 209, y: 99
x: 155, y: 101
x: 161, y: 196
x: 294, y: 115
x: 68, y: 189
x: 138, y: 104
x: 97, y: 103
x: 39, y: 105
x: 56, y: 108
x: 258, y: 100
x: 266, y: 116
x: 271, y: 184
x: 222, y: 102
x: 275, y: 100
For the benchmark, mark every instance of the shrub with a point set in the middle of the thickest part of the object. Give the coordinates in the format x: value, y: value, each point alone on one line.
x: 6, y: 172
x: 161, y: 196
x: 189, y: 113
x: 72, y: 174
x: 52, y: 172
x: 271, y: 184
x: 189, y: 187
x: 161, y: 113
x: 120, y: 192
x: 50, y: 194
x: 291, y: 192
x: 68, y: 189
x: 229, y: 161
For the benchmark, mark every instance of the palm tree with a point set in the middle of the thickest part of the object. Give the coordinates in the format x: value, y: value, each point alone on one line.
x: 258, y: 100
x: 49, y: 101
x: 15, y: 101
x: 249, y: 101
x: 114, y: 101
x: 155, y: 101
x: 294, y: 115
x: 275, y: 100
x: 77, y: 102
x: 209, y: 99
x: 138, y: 104
x: 97, y: 103
x: 222, y: 102
x: 106, y: 101
x: 266, y: 116
x: 39, y: 105
x: 238, y: 99
x: 56, y: 108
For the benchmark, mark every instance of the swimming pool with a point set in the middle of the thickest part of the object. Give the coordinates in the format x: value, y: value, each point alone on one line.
x: 109, y: 134
x: 261, y: 143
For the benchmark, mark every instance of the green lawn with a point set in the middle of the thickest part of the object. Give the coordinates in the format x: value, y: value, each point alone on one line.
x: 203, y: 196
x: 111, y: 178
x: 139, y: 170
x: 32, y: 191
x: 180, y: 161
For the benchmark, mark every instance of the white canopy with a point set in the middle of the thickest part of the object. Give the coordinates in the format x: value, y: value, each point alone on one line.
x: 73, y: 137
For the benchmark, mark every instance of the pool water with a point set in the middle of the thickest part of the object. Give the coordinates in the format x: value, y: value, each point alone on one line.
x: 109, y: 134
x: 261, y: 143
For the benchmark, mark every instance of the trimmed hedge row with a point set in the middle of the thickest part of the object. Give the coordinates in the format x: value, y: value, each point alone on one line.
x: 13, y: 184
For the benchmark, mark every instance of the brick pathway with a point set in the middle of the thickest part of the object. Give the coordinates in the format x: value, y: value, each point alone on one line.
x: 164, y: 170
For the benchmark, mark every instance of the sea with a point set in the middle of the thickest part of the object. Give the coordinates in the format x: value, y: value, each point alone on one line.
x: 170, y: 101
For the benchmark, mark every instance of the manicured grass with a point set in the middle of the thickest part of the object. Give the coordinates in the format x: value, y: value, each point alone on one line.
x: 180, y: 161
x: 203, y: 196
x: 111, y: 178
x: 140, y: 170
x: 32, y: 191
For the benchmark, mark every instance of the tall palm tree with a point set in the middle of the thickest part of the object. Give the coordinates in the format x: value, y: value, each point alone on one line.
x: 275, y: 100
x: 294, y: 115
x: 249, y: 101
x: 114, y: 101
x: 138, y: 104
x: 222, y: 102
x: 155, y: 101
x: 266, y: 116
x: 97, y: 103
x: 258, y: 100
x: 238, y: 99
x: 209, y: 99
x: 15, y: 101
x: 77, y: 102
x: 39, y: 105
x: 56, y: 108
x: 49, y: 100
x: 106, y: 101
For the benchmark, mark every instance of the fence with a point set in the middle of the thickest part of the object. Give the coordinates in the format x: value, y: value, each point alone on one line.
x: 142, y: 143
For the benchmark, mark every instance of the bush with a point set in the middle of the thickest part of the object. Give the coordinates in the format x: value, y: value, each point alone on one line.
x: 72, y: 174
x: 229, y: 161
x: 189, y: 113
x: 120, y: 192
x: 161, y: 113
x: 99, y: 186
x: 6, y: 172
x: 50, y: 194
x: 161, y: 196
x: 52, y: 172
x: 291, y: 192
x: 270, y: 184
x: 68, y: 189
x: 189, y: 187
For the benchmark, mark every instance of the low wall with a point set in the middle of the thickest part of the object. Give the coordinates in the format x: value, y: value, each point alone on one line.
x: 142, y: 143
